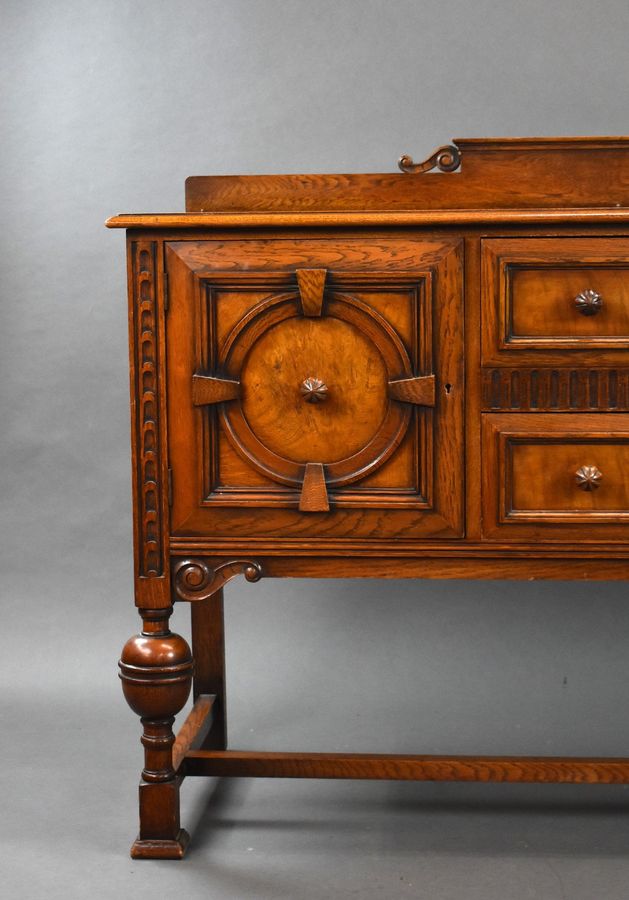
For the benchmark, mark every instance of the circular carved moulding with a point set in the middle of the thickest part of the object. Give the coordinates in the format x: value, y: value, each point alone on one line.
x: 347, y: 422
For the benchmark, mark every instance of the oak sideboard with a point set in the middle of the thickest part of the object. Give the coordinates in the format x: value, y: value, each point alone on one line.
x: 422, y: 374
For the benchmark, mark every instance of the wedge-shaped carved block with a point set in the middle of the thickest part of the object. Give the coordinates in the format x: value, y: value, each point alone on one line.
x: 420, y: 390
x: 311, y: 283
x: 314, y: 492
x: 207, y: 389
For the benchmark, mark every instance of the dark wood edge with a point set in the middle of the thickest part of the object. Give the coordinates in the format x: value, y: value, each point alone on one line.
x: 407, y: 768
x: 396, y: 218
x: 155, y: 849
x: 195, y: 728
x: 286, y: 545
x: 376, y: 548
x: 562, y: 142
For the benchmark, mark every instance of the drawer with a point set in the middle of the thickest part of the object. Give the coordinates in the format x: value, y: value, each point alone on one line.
x: 556, y: 476
x: 550, y: 299
x: 315, y: 387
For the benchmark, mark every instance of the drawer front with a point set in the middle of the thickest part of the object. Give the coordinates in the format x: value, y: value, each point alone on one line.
x: 545, y: 296
x: 553, y: 477
x: 315, y: 387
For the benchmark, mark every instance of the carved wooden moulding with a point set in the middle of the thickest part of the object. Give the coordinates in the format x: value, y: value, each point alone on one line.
x: 446, y: 159
x: 368, y: 406
x: 549, y: 389
x: 148, y: 476
x: 316, y: 389
x: 197, y: 579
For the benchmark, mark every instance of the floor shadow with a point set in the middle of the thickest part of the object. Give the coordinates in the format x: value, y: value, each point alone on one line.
x: 410, y: 818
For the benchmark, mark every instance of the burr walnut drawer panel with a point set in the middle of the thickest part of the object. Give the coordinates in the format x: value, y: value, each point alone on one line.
x: 542, y: 296
x: 315, y: 387
x: 556, y: 476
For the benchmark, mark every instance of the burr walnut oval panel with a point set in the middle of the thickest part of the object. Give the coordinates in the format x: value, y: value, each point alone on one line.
x: 353, y: 350
x: 273, y: 404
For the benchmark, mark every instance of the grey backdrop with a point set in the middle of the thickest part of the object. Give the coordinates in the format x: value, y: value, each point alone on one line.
x: 107, y: 107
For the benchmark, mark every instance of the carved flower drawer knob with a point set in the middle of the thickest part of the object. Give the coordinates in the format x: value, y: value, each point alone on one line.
x: 588, y: 302
x: 313, y: 390
x: 588, y: 477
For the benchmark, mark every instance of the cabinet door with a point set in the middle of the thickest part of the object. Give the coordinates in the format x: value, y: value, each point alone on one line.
x: 315, y: 387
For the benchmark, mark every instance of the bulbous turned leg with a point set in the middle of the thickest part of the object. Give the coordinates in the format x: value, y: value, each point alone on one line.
x: 156, y: 672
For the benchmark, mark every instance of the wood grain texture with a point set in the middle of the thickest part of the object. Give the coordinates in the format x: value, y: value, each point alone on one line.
x: 383, y: 321
x: 408, y: 768
x: 420, y: 218
x: 207, y: 621
x: 314, y: 492
x: 529, y: 290
x: 511, y: 560
x: 419, y: 390
x: 535, y: 174
x: 544, y: 304
x: 438, y: 365
x: 529, y: 482
x: 354, y: 372
x: 210, y: 389
x: 194, y: 730
x: 311, y: 283
x: 531, y: 389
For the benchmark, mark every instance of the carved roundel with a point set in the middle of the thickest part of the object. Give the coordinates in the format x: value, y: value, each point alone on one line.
x: 283, y: 358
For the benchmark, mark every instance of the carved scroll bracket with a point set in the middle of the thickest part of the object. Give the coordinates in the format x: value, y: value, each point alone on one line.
x: 195, y: 579
x: 446, y: 159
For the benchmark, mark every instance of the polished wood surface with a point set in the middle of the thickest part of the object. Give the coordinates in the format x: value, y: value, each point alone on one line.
x: 407, y: 768
x: 419, y: 375
x: 194, y: 731
x: 532, y: 486
x: 544, y: 296
x: 550, y: 173
x: 512, y: 215
x: 391, y: 316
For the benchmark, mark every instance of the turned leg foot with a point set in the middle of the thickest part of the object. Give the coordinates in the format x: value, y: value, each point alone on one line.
x: 156, y: 673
